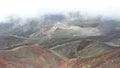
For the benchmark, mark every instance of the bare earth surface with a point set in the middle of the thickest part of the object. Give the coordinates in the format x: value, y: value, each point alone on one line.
x: 35, y: 57
x: 28, y: 57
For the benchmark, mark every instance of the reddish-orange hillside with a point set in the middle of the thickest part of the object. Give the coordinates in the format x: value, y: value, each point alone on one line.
x: 29, y: 57
x: 35, y: 57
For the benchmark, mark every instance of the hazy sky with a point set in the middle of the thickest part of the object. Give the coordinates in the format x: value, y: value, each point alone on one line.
x: 27, y: 8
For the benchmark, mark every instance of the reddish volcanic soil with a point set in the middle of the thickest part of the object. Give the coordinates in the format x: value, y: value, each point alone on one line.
x: 29, y: 57
x: 35, y: 57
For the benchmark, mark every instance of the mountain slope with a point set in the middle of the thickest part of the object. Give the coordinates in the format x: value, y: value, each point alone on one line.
x: 28, y: 57
x: 35, y: 57
x: 107, y: 60
x: 7, y: 41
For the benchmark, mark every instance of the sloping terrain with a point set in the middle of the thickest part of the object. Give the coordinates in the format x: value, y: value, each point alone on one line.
x: 85, y: 47
x: 107, y: 60
x: 29, y: 57
x: 61, y: 30
x: 61, y: 43
x: 7, y: 41
x: 95, y: 49
x: 35, y: 57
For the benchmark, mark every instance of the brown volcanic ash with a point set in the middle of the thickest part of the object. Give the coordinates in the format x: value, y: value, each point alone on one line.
x: 35, y: 57
x: 29, y: 57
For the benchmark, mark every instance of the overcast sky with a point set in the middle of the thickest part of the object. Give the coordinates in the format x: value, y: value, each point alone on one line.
x: 28, y: 8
